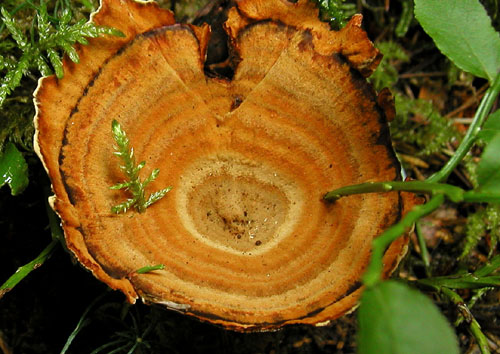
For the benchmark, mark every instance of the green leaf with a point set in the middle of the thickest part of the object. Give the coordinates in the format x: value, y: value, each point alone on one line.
x: 42, y: 66
x: 395, y: 319
x: 491, y: 127
x: 13, y: 169
x: 488, y: 169
x: 14, y: 29
x: 42, y: 17
x: 462, y: 31
x: 65, y: 17
x: 71, y: 52
x: 56, y: 62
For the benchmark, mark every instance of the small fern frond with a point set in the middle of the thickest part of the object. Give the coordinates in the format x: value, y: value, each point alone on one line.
x: 123, y: 185
x: 56, y: 62
x: 7, y: 63
x: 123, y: 207
x: 13, y: 77
x: 42, y: 66
x: 42, y: 50
x: 138, y: 168
x: 131, y: 171
x: 65, y: 18
x: 14, y: 30
x: 156, y: 196
x: 479, y: 224
x: 43, y: 24
x: 151, y: 177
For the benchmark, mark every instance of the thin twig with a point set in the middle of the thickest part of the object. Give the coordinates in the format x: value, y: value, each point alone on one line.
x: 463, y: 120
x: 413, y: 160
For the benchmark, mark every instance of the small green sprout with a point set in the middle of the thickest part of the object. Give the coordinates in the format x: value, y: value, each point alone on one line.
x: 145, y: 270
x: 131, y: 170
x: 148, y: 269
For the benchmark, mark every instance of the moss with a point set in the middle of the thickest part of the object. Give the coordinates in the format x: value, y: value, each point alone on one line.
x: 419, y: 123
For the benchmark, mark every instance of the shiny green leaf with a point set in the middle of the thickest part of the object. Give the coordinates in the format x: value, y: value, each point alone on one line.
x: 463, y: 32
x: 491, y: 127
x: 395, y: 319
x: 488, y: 170
x: 13, y: 169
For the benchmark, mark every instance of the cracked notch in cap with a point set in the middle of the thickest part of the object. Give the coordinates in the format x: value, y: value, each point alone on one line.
x: 246, y: 240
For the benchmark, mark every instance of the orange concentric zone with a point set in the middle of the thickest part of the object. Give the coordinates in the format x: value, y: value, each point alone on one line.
x: 244, y: 234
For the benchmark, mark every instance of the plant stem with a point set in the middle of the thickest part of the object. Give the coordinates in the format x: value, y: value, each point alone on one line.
x: 23, y: 271
x: 474, y: 326
x: 430, y: 186
x: 424, y: 253
x: 373, y: 273
x: 469, y: 139
x: 454, y: 193
x: 478, y: 197
x: 477, y: 295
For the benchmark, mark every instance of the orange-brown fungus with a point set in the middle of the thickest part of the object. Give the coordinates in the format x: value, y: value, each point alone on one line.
x: 246, y: 240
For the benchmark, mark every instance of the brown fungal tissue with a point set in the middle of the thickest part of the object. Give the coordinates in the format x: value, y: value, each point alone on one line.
x: 246, y: 240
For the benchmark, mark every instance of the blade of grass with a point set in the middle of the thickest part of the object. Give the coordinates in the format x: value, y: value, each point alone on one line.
x: 474, y: 326
x: 23, y: 271
x: 82, y: 322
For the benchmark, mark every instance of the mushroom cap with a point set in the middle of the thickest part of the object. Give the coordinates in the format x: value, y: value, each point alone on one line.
x: 245, y: 237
